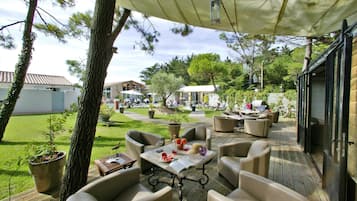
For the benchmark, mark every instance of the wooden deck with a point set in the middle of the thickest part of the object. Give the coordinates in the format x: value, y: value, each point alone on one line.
x: 288, y: 166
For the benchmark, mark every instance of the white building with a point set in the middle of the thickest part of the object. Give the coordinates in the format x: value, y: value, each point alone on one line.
x: 198, y: 94
x: 41, y: 93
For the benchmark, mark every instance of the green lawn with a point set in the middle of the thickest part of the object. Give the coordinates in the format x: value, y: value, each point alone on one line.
x: 26, y: 130
x: 210, y: 113
x: 160, y: 115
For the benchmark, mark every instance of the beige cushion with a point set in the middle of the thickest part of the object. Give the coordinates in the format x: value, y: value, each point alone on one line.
x: 81, y: 196
x: 257, y: 148
x: 134, y: 193
x: 250, y: 156
x: 241, y: 195
x: 253, y: 187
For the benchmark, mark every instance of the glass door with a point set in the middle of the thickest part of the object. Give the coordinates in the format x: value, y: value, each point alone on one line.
x: 338, y: 76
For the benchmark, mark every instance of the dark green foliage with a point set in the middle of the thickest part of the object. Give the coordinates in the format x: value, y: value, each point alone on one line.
x: 79, y: 24
x: 183, y: 30
x: 6, y: 41
x: 52, y: 30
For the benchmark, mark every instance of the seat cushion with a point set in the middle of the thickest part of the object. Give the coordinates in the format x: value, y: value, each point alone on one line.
x: 241, y: 195
x: 231, y: 162
x: 229, y: 168
x: 136, y: 192
x: 81, y: 196
x: 200, y: 133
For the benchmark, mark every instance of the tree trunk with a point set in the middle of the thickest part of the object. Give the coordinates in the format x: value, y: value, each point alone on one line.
x: 308, y: 52
x: 99, y: 56
x: 20, y: 70
x: 164, y: 101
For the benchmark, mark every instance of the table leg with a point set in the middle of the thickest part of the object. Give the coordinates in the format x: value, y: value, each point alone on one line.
x: 153, y: 178
x: 180, y: 185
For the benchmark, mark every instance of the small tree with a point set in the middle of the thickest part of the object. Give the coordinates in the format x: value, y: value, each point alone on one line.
x: 165, y: 84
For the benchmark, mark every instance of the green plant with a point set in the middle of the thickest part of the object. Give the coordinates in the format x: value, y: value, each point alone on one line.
x: 48, y: 151
x: 177, y: 118
x: 105, y: 112
x: 151, y: 107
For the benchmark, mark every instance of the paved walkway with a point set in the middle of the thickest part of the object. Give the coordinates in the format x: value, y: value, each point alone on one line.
x: 199, y: 115
x: 288, y: 164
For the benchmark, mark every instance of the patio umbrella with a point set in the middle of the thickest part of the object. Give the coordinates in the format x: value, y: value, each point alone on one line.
x: 299, y: 18
x: 132, y: 92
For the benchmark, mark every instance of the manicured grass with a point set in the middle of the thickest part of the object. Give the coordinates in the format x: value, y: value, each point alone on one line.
x: 160, y: 115
x: 210, y: 113
x: 27, y: 130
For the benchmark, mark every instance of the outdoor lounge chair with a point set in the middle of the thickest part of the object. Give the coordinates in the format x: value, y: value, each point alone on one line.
x: 199, y: 134
x: 258, y: 127
x: 224, y: 124
x: 250, y: 156
x: 121, y: 185
x: 138, y: 142
x: 257, y: 188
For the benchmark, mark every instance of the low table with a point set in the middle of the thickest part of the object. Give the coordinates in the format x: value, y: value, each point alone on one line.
x: 113, y: 163
x: 182, y: 162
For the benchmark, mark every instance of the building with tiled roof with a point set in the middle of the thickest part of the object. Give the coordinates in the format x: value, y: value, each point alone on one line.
x: 41, y: 93
x: 36, y: 79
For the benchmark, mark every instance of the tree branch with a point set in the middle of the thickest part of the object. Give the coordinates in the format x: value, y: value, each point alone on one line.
x: 8, y: 25
x: 120, y: 24
x: 49, y: 14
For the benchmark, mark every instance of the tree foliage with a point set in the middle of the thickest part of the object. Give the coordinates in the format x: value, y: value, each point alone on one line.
x: 177, y: 66
x: 165, y: 84
x: 248, y: 47
x: 207, y: 66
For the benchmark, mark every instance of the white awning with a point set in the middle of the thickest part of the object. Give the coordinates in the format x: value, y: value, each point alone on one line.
x: 199, y: 88
x: 132, y: 92
x: 283, y: 17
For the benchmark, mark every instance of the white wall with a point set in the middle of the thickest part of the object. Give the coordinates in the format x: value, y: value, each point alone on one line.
x: 34, y: 101
x: 70, y: 97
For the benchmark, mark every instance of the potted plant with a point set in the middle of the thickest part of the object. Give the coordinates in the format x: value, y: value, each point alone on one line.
x: 151, y: 111
x: 45, y: 162
x: 105, y: 112
x: 174, y: 126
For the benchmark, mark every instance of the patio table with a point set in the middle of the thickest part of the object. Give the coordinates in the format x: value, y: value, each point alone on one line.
x: 177, y: 168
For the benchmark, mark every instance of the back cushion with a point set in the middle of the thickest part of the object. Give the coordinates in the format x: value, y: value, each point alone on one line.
x: 257, y: 148
x: 200, y: 133
x: 135, y: 135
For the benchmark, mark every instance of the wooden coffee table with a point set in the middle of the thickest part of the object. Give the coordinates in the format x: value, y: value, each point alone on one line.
x: 119, y: 161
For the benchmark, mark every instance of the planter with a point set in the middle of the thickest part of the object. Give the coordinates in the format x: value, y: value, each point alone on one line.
x: 121, y: 110
x: 48, y: 174
x: 104, y: 118
x: 174, y: 129
x: 151, y: 114
x: 193, y: 108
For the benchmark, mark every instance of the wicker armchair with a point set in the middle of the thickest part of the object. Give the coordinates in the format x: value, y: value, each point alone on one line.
x: 224, y: 124
x: 121, y: 185
x: 138, y: 142
x: 199, y: 134
x: 258, y: 127
x: 250, y: 156
x: 257, y: 188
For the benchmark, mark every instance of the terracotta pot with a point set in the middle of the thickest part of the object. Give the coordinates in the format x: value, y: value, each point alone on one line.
x: 151, y: 114
x: 48, y: 175
x: 174, y: 129
x: 121, y: 110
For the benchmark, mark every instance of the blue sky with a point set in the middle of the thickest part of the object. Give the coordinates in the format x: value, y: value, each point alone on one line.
x: 49, y: 55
